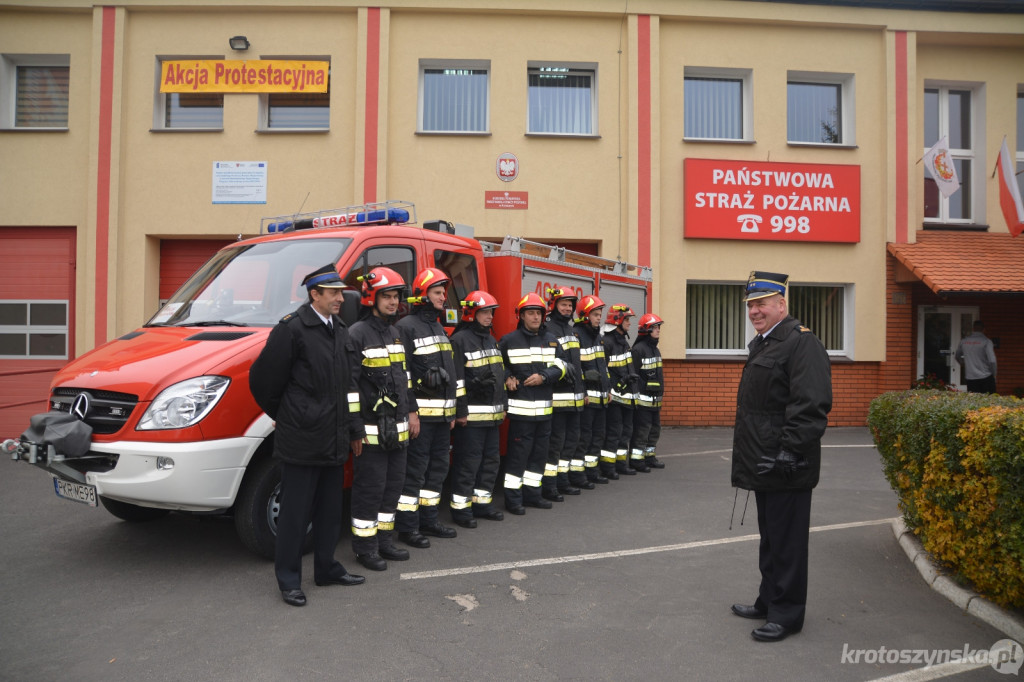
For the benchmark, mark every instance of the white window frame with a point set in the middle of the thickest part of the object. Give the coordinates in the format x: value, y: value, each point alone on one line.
x: 849, y: 308
x: 471, y: 64
x: 746, y: 76
x: 160, y: 98
x: 9, y: 64
x: 263, y: 112
x: 976, y: 154
x: 1020, y: 138
x: 847, y: 104
x: 28, y: 328
x: 572, y: 68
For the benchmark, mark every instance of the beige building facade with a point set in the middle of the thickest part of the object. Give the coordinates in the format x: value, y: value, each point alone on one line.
x: 426, y: 97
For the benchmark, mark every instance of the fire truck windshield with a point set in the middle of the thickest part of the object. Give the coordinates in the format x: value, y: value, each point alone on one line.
x: 249, y: 284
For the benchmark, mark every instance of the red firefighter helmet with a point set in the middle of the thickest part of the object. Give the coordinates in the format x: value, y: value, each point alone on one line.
x: 587, y: 304
x: 476, y: 301
x: 618, y: 313
x: 557, y: 294
x: 531, y: 300
x: 648, y: 322
x: 379, y: 279
x: 427, y: 277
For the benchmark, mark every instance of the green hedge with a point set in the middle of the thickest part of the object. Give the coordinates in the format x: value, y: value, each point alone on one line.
x: 956, y: 462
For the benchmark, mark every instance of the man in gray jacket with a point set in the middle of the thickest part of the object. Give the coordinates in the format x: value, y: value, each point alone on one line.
x: 978, y: 356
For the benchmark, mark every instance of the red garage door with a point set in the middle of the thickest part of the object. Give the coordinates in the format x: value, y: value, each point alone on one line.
x: 179, y: 258
x: 37, y: 318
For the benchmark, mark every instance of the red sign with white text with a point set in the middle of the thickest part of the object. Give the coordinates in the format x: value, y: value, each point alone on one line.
x: 506, y: 199
x: 781, y: 202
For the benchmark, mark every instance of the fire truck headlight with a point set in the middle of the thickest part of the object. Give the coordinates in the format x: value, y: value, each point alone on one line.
x: 184, y: 403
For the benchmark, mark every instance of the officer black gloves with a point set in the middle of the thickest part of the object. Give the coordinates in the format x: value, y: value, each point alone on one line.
x: 784, y: 464
x: 571, y: 374
x: 481, y: 386
x: 627, y: 384
x: 433, y: 381
x: 387, y: 422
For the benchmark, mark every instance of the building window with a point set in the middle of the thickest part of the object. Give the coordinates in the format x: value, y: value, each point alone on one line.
x: 296, y: 111
x: 1020, y: 139
x: 562, y: 99
x: 187, y: 110
x: 717, y: 104
x: 34, y: 91
x: 35, y: 330
x: 454, y: 97
x: 820, y: 108
x: 949, y: 112
x: 717, y: 324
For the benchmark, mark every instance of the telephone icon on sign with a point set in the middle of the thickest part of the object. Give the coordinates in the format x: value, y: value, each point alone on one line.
x: 749, y: 221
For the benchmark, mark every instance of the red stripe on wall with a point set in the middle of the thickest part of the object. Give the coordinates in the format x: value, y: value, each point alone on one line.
x: 902, y: 138
x: 372, y: 104
x: 103, y: 172
x: 644, y: 140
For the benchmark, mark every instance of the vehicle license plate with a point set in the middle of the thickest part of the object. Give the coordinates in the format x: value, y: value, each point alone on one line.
x: 76, y: 492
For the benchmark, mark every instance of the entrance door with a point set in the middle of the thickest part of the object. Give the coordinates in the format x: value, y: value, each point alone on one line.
x: 939, y: 330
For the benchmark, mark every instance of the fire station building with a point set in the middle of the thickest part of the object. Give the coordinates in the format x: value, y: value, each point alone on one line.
x: 702, y: 138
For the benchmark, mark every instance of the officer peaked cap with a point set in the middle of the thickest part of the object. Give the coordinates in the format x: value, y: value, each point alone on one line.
x: 763, y: 284
x: 326, y: 277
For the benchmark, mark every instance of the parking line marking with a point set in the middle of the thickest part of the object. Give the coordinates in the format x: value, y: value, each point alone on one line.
x: 485, y: 568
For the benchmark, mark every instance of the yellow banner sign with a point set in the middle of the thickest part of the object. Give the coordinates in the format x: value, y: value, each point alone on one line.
x: 254, y: 75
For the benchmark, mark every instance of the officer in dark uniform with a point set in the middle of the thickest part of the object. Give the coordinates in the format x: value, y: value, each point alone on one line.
x: 782, y: 407
x: 428, y: 352
x: 589, y: 313
x: 378, y: 474
x: 567, y: 400
x: 619, y: 418
x: 532, y: 368
x: 304, y: 380
x: 650, y: 389
x: 476, y: 453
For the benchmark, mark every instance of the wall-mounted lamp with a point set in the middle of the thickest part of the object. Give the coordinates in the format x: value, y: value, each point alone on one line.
x: 239, y: 43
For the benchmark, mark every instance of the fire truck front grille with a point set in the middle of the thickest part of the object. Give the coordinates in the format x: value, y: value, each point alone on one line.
x: 105, y: 411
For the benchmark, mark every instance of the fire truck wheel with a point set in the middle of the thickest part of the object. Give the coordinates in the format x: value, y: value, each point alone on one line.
x: 257, y: 507
x: 133, y: 512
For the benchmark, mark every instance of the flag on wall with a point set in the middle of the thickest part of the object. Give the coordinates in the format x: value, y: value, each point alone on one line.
x: 1009, y: 192
x: 940, y: 166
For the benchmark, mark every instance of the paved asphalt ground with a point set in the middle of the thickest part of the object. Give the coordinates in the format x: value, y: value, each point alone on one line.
x: 631, y: 581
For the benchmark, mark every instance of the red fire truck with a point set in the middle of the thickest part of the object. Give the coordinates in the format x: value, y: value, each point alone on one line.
x: 174, y: 427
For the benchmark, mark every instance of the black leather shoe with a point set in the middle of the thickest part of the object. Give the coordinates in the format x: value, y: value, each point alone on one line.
x: 465, y: 523
x: 346, y: 580
x: 625, y: 471
x: 599, y: 479
x: 414, y: 540
x: 372, y: 562
x: 612, y: 475
x: 392, y: 553
x: 552, y: 495
x: 639, y: 465
x: 293, y: 597
x: 654, y: 463
x: 569, y: 490
x: 752, y: 612
x: 772, y: 632
x: 438, y: 531
x: 539, y: 503
x: 586, y: 485
x: 517, y: 509
x: 489, y: 514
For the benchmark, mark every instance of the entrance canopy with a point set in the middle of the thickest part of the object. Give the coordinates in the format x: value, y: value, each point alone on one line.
x: 952, y: 263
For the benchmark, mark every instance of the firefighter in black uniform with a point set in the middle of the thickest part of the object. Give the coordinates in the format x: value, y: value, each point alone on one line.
x: 589, y: 312
x: 567, y: 400
x: 650, y: 389
x: 619, y: 418
x: 532, y: 368
x: 428, y: 352
x: 476, y: 452
x: 379, y: 472
x: 782, y: 407
x: 304, y: 380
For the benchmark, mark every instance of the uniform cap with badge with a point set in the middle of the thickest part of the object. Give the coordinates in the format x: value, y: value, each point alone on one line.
x: 763, y: 284
x: 326, y: 277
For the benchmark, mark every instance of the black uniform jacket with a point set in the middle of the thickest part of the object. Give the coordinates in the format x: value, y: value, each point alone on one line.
x: 479, y: 365
x: 382, y: 369
x: 592, y: 357
x: 527, y: 353
x: 304, y: 378
x: 647, y: 365
x: 620, y: 368
x: 568, y: 393
x: 785, y: 395
x: 427, y: 346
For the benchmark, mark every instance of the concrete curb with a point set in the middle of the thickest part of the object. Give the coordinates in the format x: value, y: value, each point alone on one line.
x: 1008, y: 623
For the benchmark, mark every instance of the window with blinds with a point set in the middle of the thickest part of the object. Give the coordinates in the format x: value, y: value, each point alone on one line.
x: 454, y: 97
x: 822, y: 310
x: 306, y: 111
x: 194, y: 110
x: 41, y: 98
x: 717, y: 104
x: 820, y: 108
x: 561, y: 100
